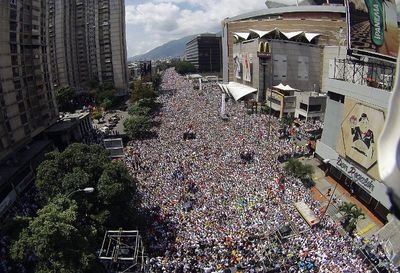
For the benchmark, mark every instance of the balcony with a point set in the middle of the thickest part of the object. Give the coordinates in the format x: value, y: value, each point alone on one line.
x: 377, y: 75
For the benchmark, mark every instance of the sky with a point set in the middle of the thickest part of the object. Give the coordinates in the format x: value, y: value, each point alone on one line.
x: 150, y: 23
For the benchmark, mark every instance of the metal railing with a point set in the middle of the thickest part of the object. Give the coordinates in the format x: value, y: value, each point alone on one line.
x: 377, y: 75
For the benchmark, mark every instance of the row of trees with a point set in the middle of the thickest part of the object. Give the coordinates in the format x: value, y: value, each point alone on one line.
x: 68, y: 230
x: 100, y: 95
x: 143, y: 106
x: 182, y: 67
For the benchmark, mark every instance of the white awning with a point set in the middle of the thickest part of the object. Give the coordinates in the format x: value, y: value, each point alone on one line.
x: 311, y: 36
x: 261, y: 33
x: 292, y: 34
x: 243, y: 35
x: 237, y: 90
x: 284, y: 87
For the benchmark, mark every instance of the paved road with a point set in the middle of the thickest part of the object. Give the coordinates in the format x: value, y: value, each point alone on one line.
x: 119, y: 128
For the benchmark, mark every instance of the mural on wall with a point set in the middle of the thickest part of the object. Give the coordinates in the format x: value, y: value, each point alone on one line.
x: 246, y: 68
x: 237, y: 62
x: 360, y: 130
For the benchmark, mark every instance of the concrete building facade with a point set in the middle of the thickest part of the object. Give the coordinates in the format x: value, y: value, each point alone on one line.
x: 87, y: 43
x: 27, y: 104
x: 326, y: 20
x: 354, y: 118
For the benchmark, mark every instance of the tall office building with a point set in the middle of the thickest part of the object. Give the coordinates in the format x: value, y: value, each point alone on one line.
x: 27, y: 105
x: 87, y: 43
x: 204, y: 52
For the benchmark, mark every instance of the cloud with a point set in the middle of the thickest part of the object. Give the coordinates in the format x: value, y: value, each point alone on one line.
x: 155, y: 22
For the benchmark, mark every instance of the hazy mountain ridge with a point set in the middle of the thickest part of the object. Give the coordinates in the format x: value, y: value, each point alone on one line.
x: 171, y: 49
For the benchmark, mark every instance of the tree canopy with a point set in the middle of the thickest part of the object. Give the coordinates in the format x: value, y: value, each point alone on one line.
x: 69, y: 229
x: 300, y: 170
x: 352, y: 214
x: 184, y: 67
x: 137, y: 126
x: 140, y: 90
x: 64, y: 98
x: 55, y: 238
x: 81, y: 166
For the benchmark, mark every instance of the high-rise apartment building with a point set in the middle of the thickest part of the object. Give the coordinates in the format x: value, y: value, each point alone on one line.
x: 87, y: 43
x: 27, y: 104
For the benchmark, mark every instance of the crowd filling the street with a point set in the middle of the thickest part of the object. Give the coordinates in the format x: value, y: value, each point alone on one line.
x: 218, y: 193
x: 217, y: 196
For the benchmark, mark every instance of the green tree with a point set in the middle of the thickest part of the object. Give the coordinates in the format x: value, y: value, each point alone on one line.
x: 302, y: 171
x: 138, y: 110
x: 81, y: 166
x: 105, y: 96
x: 157, y: 80
x: 352, y: 214
x: 64, y: 98
x: 137, y: 126
x: 97, y: 115
x: 55, y: 238
x: 184, y: 67
x: 141, y: 91
x: 107, y: 103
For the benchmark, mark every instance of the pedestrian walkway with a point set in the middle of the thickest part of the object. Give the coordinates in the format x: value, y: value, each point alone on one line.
x: 365, y: 227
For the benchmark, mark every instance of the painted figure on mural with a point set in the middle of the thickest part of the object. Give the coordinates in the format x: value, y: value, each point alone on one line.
x: 363, y: 137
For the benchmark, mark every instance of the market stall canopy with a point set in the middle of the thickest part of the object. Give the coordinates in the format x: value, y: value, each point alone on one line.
x: 237, y: 90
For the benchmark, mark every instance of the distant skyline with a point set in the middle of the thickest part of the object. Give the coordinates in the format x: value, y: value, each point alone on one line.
x: 150, y: 23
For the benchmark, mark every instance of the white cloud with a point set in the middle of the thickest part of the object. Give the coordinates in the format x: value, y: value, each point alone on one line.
x: 158, y: 21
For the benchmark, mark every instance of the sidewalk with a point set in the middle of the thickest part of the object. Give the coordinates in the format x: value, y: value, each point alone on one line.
x: 365, y: 227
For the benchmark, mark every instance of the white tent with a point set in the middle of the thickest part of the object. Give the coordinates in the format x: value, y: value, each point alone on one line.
x: 261, y: 33
x: 237, y: 90
x: 284, y: 87
x: 243, y: 35
x: 311, y: 36
x: 292, y: 34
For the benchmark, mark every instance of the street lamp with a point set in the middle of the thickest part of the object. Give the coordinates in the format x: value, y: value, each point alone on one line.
x: 326, y: 161
x: 86, y: 190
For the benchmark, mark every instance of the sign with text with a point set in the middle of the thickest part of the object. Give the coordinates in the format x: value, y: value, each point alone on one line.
x: 372, y: 27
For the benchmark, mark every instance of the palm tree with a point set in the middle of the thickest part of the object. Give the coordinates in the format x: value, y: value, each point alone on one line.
x: 352, y: 214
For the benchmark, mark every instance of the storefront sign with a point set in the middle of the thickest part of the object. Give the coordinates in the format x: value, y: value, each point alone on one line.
x: 356, y: 175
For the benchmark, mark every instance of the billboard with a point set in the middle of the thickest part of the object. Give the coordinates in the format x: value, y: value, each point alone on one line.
x: 237, y: 62
x: 372, y: 27
x: 360, y: 129
x: 246, y: 68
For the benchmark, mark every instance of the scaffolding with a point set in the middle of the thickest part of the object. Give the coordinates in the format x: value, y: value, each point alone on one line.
x: 122, y: 251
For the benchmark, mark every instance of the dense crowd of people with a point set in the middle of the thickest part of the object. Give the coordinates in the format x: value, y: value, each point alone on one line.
x: 26, y: 206
x: 215, y: 211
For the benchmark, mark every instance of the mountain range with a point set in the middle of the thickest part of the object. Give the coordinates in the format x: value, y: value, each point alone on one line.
x: 171, y: 49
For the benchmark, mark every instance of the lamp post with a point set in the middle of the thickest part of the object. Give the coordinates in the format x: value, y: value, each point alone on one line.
x: 326, y: 161
x: 86, y: 190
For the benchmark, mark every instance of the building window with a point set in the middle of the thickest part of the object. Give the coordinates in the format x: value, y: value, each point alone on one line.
x: 303, y: 106
x: 336, y: 97
x: 315, y: 108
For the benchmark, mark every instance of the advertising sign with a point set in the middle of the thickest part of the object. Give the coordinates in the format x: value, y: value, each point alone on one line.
x: 372, y: 27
